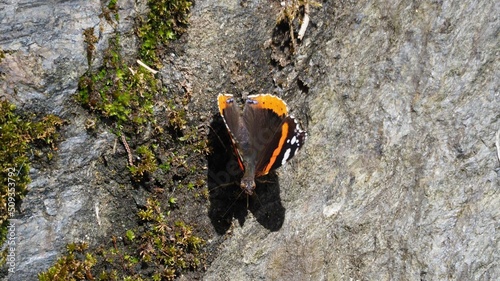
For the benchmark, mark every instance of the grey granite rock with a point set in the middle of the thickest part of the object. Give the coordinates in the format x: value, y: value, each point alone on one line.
x: 45, y: 56
x: 398, y: 180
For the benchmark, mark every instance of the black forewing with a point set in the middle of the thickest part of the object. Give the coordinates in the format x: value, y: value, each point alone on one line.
x: 264, y: 128
x: 231, y: 115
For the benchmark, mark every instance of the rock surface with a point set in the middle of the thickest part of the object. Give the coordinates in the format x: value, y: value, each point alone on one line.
x: 45, y: 56
x: 398, y: 180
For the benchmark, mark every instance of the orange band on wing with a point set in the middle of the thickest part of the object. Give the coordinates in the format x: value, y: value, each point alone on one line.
x: 276, y: 152
x: 222, y: 99
x: 267, y: 101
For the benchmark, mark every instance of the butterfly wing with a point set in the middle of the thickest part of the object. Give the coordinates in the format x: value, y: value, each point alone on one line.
x: 231, y: 114
x: 275, y: 136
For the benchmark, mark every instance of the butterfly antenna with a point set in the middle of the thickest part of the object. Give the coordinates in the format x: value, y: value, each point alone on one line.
x: 258, y: 199
x: 222, y: 185
x: 265, y: 181
x: 220, y: 140
x: 232, y: 204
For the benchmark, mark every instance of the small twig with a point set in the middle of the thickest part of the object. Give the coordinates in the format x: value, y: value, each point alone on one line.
x: 147, y: 67
x: 96, y: 205
x: 127, y: 148
x: 131, y: 71
x: 114, y: 146
x: 292, y: 37
x: 305, y: 22
x: 498, y: 144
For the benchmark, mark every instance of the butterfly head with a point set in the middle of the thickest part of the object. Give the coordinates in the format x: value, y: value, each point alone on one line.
x: 247, y: 185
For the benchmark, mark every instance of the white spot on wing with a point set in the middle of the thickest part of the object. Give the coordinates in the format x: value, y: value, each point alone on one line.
x: 294, y: 139
x: 286, y: 156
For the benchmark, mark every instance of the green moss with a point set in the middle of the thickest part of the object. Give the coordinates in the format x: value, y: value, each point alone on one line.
x: 75, y: 265
x: 17, y: 134
x: 166, y: 249
x: 126, y: 94
x: 112, y: 5
x: 110, y: 11
x: 166, y: 20
x: 147, y: 163
x: 122, y: 94
x: 118, y: 91
x: 171, y: 246
x: 130, y: 235
x: 196, y: 143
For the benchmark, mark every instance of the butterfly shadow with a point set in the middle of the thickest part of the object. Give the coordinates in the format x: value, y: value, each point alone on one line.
x: 227, y: 199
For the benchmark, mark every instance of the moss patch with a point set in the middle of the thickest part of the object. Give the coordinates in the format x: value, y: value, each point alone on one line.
x: 158, y: 249
x: 147, y: 162
x: 118, y: 91
x: 166, y: 20
x: 165, y: 152
x: 18, y: 134
x: 75, y: 265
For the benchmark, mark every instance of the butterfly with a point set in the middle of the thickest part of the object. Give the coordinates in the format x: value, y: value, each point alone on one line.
x: 264, y: 136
